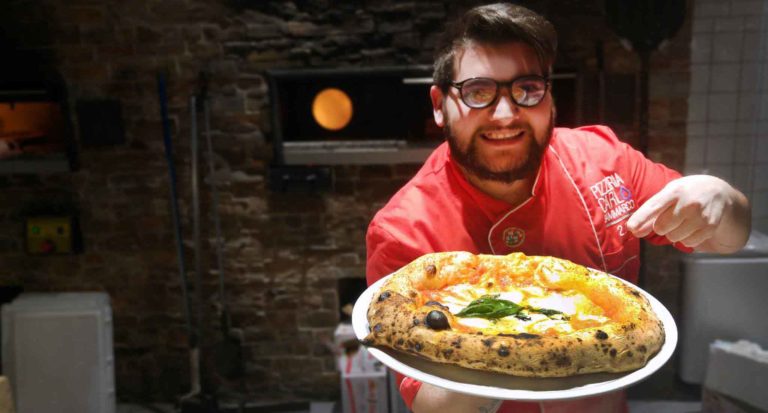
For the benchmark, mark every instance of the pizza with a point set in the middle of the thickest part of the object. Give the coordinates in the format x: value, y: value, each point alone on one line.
x: 531, y: 316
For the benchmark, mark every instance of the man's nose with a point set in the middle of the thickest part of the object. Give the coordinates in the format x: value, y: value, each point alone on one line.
x: 505, y: 107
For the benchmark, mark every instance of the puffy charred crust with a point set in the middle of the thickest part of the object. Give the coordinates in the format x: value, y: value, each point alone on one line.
x: 431, y: 270
x: 400, y: 322
x: 524, y: 336
x: 366, y: 342
x: 436, y: 304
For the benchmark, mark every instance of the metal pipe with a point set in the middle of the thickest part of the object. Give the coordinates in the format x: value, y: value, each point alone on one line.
x: 167, y: 144
x: 215, y: 205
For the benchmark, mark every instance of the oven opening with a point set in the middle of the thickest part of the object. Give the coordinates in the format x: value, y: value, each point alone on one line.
x: 343, y: 116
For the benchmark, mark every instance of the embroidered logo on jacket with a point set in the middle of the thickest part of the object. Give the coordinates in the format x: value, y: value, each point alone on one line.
x: 614, y: 197
x: 513, y: 237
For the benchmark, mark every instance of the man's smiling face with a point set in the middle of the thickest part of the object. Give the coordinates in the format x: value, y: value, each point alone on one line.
x: 503, y: 142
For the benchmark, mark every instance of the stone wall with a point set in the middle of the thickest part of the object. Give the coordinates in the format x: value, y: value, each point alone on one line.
x: 284, y: 252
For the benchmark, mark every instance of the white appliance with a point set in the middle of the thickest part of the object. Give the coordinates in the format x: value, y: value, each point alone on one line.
x: 724, y: 297
x: 57, y: 352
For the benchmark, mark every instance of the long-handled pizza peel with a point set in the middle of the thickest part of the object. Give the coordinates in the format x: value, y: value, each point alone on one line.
x: 228, y: 351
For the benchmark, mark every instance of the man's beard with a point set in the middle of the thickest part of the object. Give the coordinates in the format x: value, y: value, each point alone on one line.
x: 529, y: 166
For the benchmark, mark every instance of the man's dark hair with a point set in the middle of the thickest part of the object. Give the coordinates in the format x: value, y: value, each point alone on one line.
x: 495, y: 24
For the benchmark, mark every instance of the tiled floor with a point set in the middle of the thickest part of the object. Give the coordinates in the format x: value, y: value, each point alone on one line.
x: 658, y: 406
x: 635, y: 406
x: 663, y: 392
x: 144, y: 408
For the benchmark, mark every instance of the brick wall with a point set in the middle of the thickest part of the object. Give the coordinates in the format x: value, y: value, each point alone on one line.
x: 284, y: 252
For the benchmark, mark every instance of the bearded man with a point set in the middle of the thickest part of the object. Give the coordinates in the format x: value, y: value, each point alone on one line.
x: 508, y: 181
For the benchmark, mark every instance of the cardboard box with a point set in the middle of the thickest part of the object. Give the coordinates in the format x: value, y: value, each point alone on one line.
x: 396, y: 402
x: 367, y: 386
x: 363, y: 383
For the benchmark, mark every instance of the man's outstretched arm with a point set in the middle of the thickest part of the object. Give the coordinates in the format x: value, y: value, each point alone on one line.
x: 699, y: 211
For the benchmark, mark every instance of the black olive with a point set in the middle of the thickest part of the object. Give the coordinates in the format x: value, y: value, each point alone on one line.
x: 436, y: 320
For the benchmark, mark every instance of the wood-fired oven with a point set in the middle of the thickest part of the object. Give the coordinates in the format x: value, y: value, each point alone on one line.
x: 352, y: 116
x: 35, y: 134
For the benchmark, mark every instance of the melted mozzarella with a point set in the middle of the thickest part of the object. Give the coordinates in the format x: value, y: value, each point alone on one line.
x: 555, y: 301
x: 458, y: 296
x: 513, y: 295
x: 576, y: 306
x: 478, y: 323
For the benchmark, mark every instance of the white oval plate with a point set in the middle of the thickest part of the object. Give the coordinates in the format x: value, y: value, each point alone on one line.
x: 503, y: 386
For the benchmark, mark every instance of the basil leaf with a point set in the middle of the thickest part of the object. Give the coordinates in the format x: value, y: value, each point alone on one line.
x: 489, y: 307
x: 547, y: 312
x: 492, y: 308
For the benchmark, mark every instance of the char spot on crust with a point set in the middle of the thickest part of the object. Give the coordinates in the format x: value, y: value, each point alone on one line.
x: 524, y: 336
x: 641, y: 348
x: 629, y: 354
x: 431, y: 270
x: 412, y: 294
x: 417, y: 346
x: 503, y: 351
x: 384, y: 296
x: 400, y: 342
x: 416, y: 321
x: 447, y: 352
x: 562, y: 360
x: 378, y: 327
x: 487, y: 342
x: 456, y: 343
x: 601, y: 335
x: 635, y: 293
x: 613, y: 352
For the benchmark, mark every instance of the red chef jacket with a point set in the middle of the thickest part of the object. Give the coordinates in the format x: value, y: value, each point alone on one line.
x: 588, y: 185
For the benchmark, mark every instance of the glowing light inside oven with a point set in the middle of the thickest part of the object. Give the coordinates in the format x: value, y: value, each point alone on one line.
x: 332, y: 109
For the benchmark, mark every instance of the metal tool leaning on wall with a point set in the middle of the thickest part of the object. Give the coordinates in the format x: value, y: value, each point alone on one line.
x: 227, y: 351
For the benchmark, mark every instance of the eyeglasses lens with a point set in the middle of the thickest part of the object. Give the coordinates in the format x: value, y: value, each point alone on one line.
x: 528, y: 91
x: 481, y: 92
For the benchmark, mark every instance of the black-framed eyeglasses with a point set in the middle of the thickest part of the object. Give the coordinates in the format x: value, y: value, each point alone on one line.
x: 481, y: 92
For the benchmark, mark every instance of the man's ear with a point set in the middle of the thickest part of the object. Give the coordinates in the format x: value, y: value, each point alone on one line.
x: 437, y: 105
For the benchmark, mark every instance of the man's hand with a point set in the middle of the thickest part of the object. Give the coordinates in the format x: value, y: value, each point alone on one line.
x: 699, y: 211
x: 436, y: 399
